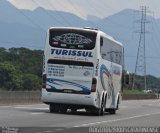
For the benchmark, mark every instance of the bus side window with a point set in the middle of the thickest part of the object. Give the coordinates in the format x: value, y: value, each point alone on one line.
x: 111, y: 51
x: 102, y: 47
x: 101, y: 41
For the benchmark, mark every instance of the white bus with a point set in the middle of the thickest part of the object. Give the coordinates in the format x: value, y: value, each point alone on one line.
x: 82, y: 70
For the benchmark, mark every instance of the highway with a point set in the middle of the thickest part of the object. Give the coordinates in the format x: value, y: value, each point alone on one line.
x: 132, y: 113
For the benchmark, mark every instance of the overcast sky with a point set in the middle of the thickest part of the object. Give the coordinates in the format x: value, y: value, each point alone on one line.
x: 82, y: 8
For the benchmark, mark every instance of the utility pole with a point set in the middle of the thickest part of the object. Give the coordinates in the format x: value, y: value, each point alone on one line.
x: 140, y: 68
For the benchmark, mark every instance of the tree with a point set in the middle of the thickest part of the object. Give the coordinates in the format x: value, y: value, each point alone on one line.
x: 31, y: 82
x: 10, y: 78
x: 20, y: 69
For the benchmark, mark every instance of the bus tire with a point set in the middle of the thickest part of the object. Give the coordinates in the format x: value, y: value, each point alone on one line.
x: 100, y: 111
x: 63, y: 110
x: 97, y: 112
x: 53, y: 109
x: 102, y: 107
x: 112, y: 111
x: 73, y: 110
x: 117, y: 107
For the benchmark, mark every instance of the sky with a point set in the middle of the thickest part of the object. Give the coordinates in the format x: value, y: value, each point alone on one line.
x: 83, y: 8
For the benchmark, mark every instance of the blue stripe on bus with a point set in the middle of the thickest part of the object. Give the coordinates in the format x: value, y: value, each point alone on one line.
x: 84, y: 88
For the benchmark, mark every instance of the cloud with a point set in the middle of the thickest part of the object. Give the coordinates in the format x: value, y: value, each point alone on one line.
x: 23, y: 4
x: 82, y: 8
x: 64, y: 5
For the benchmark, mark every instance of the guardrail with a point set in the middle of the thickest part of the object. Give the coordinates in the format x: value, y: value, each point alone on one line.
x: 19, y: 97
x: 31, y: 97
x: 139, y: 96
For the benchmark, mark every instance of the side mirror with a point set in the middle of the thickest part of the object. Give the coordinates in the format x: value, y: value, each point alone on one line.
x: 126, y: 78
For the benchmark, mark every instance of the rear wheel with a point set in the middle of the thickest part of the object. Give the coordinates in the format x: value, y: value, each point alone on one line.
x: 112, y: 111
x: 102, y: 107
x: 63, y: 110
x: 100, y: 111
x: 117, y: 104
x: 73, y: 110
x: 53, y: 108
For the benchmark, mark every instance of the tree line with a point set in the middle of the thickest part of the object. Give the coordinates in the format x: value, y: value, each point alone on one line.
x: 152, y: 83
x: 20, y: 69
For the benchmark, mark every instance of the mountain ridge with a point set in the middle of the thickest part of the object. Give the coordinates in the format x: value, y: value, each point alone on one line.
x: 28, y: 28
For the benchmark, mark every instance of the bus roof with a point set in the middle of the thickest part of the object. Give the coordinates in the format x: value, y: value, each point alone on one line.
x: 110, y: 38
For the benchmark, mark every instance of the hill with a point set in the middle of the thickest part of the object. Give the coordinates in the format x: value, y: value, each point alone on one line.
x: 21, y: 69
x: 26, y: 28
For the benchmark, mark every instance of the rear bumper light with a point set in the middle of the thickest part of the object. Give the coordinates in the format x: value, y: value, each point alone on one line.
x: 94, y: 84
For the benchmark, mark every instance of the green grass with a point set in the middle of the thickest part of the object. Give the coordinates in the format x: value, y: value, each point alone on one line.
x: 127, y: 91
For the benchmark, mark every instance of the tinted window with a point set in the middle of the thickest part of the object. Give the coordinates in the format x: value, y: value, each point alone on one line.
x: 72, y: 39
x: 111, y: 51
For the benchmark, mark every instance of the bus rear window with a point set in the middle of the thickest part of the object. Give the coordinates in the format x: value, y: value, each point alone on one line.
x: 72, y: 39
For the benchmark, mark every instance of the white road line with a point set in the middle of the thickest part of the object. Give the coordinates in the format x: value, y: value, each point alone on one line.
x: 29, y: 108
x: 81, y: 110
x: 59, y: 129
x: 37, y: 113
x: 25, y: 105
x: 5, y: 106
x: 48, y: 131
x: 115, y: 120
x: 29, y: 104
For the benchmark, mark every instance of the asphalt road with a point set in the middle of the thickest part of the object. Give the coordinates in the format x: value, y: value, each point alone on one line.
x: 37, y: 119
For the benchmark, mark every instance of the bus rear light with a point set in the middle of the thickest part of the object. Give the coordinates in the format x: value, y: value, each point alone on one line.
x: 94, y: 84
x: 93, y: 89
x: 44, y: 77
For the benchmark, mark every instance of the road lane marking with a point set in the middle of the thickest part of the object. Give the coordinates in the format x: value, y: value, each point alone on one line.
x: 115, y: 120
x: 30, y: 108
x: 21, y: 105
x: 5, y: 106
x: 59, y: 129
x: 28, y: 104
x: 37, y: 113
x: 48, y: 131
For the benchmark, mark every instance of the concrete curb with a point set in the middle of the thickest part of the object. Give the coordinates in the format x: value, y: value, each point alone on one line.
x: 19, y: 97
x: 33, y: 97
x: 138, y: 96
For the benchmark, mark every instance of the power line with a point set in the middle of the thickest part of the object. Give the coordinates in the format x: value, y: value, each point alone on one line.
x: 30, y: 20
x: 50, y: 15
x: 156, y: 28
x: 149, y: 57
x: 75, y: 8
x: 59, y: 14
x: 155, y: 42
x: 104, y: 8
x: 140, y: 68
x: 80, y: 12
x: 63, y: 6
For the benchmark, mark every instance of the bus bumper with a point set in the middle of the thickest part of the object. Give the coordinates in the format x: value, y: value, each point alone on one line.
x: 66, y: 98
